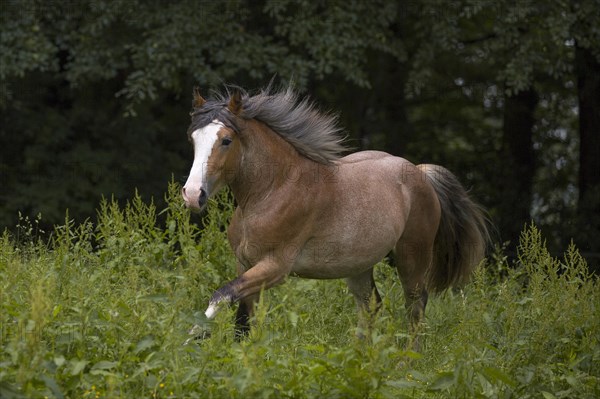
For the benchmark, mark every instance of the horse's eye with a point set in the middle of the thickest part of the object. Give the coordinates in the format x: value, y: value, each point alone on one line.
x: 226, y: 141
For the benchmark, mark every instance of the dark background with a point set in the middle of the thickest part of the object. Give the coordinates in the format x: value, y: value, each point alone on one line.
x: 95, y: 95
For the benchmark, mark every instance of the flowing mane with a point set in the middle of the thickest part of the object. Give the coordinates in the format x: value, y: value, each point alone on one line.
x: 314, y: 134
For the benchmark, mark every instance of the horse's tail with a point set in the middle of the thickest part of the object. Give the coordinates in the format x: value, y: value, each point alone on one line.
x: 462, y: 235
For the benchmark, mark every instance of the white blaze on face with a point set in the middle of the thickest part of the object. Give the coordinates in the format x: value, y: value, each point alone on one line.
x: 203, y: 141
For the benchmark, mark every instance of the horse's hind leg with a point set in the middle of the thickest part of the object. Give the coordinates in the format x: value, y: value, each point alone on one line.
x: 368, y: 300
x: 413, y: 259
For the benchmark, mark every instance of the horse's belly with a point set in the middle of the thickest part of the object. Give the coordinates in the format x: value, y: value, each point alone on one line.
x: 334, y: 257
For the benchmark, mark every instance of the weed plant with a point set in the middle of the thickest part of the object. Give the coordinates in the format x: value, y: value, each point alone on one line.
x: 101, y: 310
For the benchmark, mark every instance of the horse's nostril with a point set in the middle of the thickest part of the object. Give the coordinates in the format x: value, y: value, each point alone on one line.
x: 202, y: 198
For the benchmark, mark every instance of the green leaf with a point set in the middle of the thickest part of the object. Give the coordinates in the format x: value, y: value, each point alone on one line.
x: 293, y: 316
x: 443, y: 381
x: 77, y: 366
x: 572, y: 381
x: 53, y: 386
x: 104, y: 365
x: 404, y: 384
x: 493, y: 374
x: 9, y: 391
x: 157, y: 298
x: 413, y: 355
x: 144, y: 344
x: 524, y: 300
x: 59, y: 360
x: 548, y: 395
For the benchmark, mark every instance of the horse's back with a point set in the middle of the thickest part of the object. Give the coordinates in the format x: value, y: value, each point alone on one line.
x: 380, y: 167
x: 364, y: 156
x: 372, y: 156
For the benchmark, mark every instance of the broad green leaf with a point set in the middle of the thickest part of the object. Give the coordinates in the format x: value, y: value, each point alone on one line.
x: 444, y: 380
x: 144, y: 344
x: 104, y: 365
x: 77, y: 366
x: 494, y: 374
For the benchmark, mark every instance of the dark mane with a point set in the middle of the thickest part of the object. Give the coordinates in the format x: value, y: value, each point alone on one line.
x: 314, y: 134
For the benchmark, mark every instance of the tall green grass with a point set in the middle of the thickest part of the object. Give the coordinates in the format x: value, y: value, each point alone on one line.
x: 102, y: 310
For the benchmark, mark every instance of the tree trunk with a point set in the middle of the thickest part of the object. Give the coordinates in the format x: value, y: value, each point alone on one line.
x: 390, y: 105
x: 517, y: 164
x: 588, y: 85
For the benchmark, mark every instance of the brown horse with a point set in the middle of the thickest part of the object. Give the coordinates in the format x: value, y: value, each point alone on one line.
x: 303, y: 210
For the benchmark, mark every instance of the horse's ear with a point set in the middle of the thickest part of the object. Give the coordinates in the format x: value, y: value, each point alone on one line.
x: 235, y: 102
x: 198, y: 100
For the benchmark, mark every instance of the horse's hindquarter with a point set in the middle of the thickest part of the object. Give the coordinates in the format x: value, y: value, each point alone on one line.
x: 361, y: 216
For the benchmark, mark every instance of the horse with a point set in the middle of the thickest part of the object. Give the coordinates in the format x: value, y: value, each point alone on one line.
x: 303, y: 209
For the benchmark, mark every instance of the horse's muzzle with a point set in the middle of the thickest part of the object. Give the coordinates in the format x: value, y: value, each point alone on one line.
x: 194, y: 201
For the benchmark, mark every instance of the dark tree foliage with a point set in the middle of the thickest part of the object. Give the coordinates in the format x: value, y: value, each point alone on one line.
x: 95, y: 95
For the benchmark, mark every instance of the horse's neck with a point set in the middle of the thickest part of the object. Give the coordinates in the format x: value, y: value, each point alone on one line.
x: 266, y: 163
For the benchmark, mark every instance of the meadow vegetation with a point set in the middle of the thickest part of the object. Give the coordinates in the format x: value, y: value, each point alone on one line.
x: 102, y: 309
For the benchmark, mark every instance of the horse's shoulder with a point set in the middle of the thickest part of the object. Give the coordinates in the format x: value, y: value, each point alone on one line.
x: 234, y: 230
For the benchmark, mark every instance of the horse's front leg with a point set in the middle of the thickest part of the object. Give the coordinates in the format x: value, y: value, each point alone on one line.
x: 368, y: 300
x: 245, y: 310
x: 263, y: 275
x: 244, y: 315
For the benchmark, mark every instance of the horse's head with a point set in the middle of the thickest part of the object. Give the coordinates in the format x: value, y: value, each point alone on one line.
x: 216, y: 148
